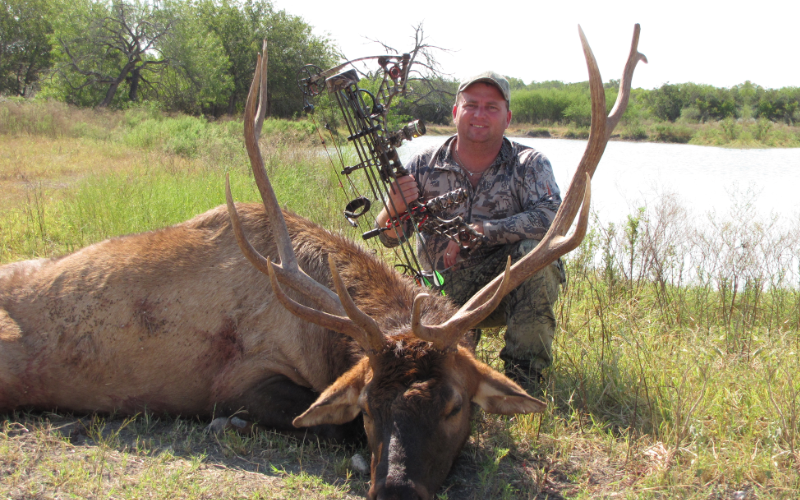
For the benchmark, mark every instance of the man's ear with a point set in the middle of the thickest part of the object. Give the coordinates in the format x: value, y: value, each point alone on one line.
x: 338, y: 404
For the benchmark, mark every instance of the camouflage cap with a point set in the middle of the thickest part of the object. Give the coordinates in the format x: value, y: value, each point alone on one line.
x: 489, y: 77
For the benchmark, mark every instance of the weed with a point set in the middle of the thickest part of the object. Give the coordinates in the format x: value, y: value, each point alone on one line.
x: 666, y: 132
x: 730, y: 128
x: 576, y: 133
x: 761, y: 129
x: 634, y: 133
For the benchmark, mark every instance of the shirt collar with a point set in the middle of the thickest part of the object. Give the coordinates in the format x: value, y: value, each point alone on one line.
x: 447, y: 160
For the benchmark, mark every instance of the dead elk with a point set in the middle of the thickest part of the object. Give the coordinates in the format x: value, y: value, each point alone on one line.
x: 176, y: 321
x: 415, y: 380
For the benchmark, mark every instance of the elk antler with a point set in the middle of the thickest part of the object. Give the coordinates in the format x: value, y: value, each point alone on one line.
x: 338, y: 313
x: 555, y: 243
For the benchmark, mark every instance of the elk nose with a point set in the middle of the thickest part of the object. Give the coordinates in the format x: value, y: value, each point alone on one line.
x: 406, y: 490
x: 399, y: 493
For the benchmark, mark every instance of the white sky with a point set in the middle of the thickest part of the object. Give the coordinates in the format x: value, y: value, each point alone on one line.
x: 700, y: 41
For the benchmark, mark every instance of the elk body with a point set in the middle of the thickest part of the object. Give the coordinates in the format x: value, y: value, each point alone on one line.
x: 177, y: 321
x: 172, y: 321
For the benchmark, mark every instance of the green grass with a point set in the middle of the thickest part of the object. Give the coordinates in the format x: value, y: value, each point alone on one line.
x: 675, y: 361
x: 65, y: 187
x: 54, y: 456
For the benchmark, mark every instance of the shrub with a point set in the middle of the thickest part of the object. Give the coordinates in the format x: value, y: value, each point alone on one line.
x: 634, y: 133
x: 538, y: 132
x: 761, y: 129
x: 664, y: 132
x: 577, y: 133
x: 690, y: 114
x: 730, y: 129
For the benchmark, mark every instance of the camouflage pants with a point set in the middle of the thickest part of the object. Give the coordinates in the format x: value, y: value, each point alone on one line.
x: 527, y: 312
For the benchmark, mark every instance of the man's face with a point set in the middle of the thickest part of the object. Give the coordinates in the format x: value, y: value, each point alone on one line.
x: 481, y: 114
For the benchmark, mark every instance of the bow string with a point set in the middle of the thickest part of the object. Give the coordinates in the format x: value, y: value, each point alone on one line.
x: 366, y: 116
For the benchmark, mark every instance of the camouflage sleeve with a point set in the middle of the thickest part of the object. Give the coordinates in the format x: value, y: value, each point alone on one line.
x: 390, y: 241
x: 385, y: 238
x: 539, y: 197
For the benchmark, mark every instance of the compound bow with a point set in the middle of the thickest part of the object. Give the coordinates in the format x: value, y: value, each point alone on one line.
x: 365, y: 115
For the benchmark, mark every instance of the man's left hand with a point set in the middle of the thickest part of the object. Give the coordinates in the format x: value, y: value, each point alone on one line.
x: 453, y: 248
x: 451, y: 253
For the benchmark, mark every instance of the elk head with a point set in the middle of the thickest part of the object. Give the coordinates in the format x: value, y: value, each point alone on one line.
x: 415, y: 384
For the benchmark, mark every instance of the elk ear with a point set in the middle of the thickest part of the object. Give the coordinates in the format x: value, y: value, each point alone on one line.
x: 338, y: 404
x: 499, y: 394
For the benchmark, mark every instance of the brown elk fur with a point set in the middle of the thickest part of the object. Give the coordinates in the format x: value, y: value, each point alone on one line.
x: 175, y: 320
x: 178, y: 321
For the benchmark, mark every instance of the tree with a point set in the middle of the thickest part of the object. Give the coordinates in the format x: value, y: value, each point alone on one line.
x: 291, y: 46
x: 196, y: 56
x: 24, y: 45
x: 196, y: 79
x: 101, y: 45
x: 430, y: 93
x: 430, y: 99
x: 241, y: 26
x: 666, y: 102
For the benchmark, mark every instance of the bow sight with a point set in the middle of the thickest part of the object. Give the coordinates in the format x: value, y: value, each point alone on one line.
x: 365, y: 115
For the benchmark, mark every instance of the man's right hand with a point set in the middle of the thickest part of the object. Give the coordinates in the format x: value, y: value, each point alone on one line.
x: 405, y: 190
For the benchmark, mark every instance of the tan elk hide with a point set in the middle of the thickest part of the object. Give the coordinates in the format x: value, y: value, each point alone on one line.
x: 178, y: 321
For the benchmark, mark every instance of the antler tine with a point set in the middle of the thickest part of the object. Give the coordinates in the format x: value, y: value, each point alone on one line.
x: 262, y: 92
x: 337, y: 313
x: 598, y: 138
x: 373, y: 334
x: 321, y: 318
x: 555, y: 243
x: 478, y: 308
x: 288, y: 272
x: 440, y: 335
x: 625, y: 83
x: 259, y: 261
x: 252, y: 126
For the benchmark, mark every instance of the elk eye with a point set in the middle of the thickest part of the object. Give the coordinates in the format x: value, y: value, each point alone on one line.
x: 455, y: 411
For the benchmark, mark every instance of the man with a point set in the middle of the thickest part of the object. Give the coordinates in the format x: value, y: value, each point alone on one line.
x: 513, y: 198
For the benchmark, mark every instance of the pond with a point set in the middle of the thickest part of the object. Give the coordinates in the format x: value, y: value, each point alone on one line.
x: 703, y: 179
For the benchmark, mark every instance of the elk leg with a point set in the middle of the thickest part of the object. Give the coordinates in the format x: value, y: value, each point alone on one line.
x: 13, y: 358
x: 275, y: 401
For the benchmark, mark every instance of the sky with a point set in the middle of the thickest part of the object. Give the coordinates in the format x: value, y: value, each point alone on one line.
x: 718, y: 43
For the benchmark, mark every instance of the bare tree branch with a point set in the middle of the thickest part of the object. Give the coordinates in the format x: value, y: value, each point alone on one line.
x: 129, y: 30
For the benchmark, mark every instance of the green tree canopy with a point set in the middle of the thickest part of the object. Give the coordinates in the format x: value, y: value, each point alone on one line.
x: 100, y: 45
x: 241, y: 26
x: 196, y: 56
x: 24, y: 44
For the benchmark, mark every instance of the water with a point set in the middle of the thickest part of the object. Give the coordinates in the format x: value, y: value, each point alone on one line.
x: 703, y: 179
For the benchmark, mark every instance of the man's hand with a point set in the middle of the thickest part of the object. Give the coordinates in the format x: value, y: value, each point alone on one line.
x: 405, y: 190
x: 451, y: 252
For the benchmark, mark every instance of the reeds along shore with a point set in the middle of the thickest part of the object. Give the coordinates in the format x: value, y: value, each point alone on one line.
x: 675, y: 361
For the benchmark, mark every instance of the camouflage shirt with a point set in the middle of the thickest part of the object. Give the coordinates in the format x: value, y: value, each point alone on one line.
x: 516, y: 198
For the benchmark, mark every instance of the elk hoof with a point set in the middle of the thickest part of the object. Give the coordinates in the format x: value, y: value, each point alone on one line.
x: 359, y: 464
x: 220, y: 425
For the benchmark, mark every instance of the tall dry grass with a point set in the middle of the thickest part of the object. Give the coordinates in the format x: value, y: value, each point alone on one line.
x: 675, y: 361
x: 678, y: 341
